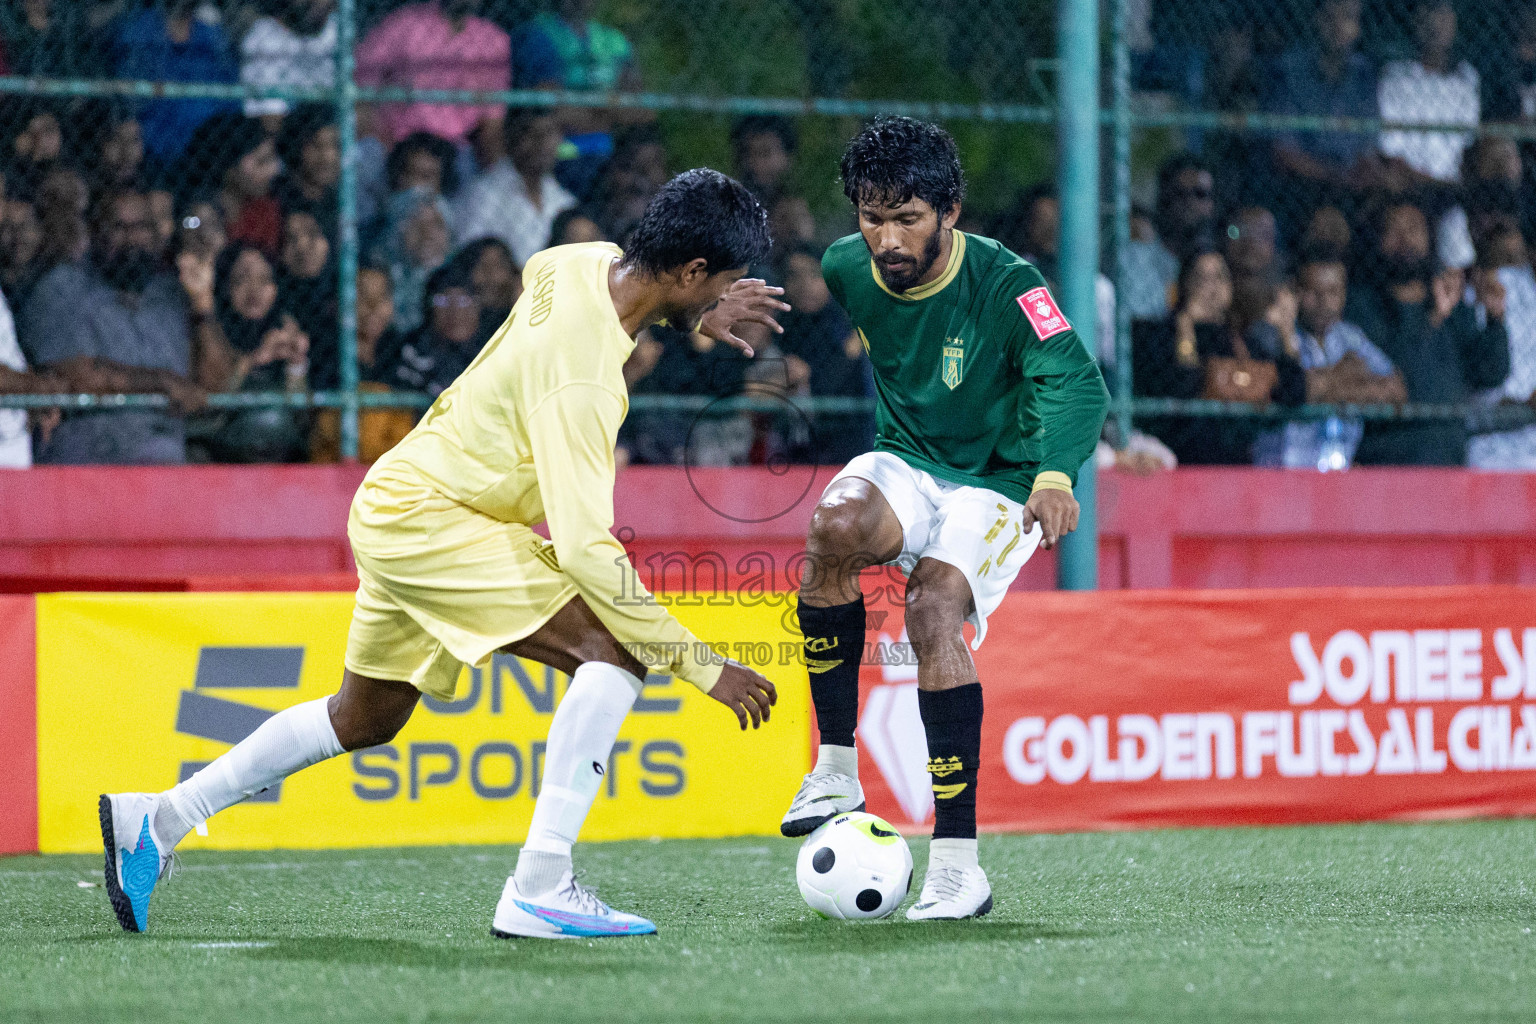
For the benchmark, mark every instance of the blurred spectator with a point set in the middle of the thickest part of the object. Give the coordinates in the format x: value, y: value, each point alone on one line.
x: 1430, y: 89
x: 310, y: 148
x: 1252, y: 245
x: 495, y: 279
x: 246, y: 341
x: 764, y: 147
x: 517, y: 199
x: 66, y: 238
x: 1413, y: 311
x: 378, y: 350
x: 1212, y: 348
x: 819, y: 334
x: 422, y: 160
x: 1341, y: 364
x: 575, y: 226
x: 170, y: 44
x: 293, y: 45
x: 1511, y: 85
x: 47, y: 39
x: 1503, y: 252
x: 1327, y: 230
x: 21, y: 238
x: 115, y: 324
x: 306, y: 279
x: 1185, y: 223
x: 1491, y: 191
x: 569, y: 49
x: 414, y: 243
x: 15, y: 433
x: 667, y: 361
x: 790, y: 221
x: 120, y: 157
x: 440, y: 44
x: 234, y: 155
x: 1328, y: 78
x: 449, y: 337
x: 638, y: 169
x: 35, y: 149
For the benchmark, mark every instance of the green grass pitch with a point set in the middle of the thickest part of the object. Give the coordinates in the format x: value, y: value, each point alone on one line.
x: 1361, y: 923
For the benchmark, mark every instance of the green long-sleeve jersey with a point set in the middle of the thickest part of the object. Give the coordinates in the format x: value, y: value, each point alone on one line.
x: 979, y: 377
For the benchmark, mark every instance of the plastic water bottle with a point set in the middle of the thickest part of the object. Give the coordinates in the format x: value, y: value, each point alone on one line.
x: 1333, y: 452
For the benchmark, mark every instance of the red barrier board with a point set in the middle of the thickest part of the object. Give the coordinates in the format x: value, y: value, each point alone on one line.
x: 18, y: 724
x: 1161, y: 709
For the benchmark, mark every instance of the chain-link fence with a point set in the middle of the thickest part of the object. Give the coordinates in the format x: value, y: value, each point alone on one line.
x: 1338, y: 214
x: 219, y: 253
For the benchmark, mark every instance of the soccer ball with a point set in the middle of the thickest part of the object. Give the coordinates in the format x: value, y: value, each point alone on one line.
x: 855, y: 866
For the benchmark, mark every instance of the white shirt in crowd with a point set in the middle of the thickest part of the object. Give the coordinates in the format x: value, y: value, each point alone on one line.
x: 273, y: 54
x: 1408, y: 92
x: 1513, y: 449
x: 15, y: 435
x: 496, y: 205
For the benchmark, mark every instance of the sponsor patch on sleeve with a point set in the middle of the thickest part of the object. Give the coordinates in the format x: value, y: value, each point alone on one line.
x: 1043, y: 315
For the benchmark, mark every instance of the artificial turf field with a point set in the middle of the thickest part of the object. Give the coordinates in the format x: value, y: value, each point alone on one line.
x: 1348, y: 923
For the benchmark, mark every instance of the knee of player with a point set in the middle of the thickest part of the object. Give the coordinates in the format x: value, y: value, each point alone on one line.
x: 611, y: 652
x: 839, y: 536
x: 358, y: 726
x: 935, y: 609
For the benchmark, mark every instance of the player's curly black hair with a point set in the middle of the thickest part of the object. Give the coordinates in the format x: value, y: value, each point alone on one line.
x: 897, y: 158
x: 700, y: 214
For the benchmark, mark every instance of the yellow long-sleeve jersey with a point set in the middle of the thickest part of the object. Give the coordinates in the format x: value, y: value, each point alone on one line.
x: 526, y: 435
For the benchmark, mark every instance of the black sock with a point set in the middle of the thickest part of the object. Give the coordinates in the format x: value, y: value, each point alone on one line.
x: 952, y: 720
x: 834, y: 645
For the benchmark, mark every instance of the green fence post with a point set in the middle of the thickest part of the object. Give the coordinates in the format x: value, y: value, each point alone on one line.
x: 346, y: 220
x: 1077, y: 133
x: 1121, y: 100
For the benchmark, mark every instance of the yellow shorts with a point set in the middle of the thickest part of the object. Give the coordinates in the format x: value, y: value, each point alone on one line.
x: 441, y: 585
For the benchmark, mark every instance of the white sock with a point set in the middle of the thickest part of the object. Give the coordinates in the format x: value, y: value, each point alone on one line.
x: 956, y: 852
x: 842, y: 760
x: 288, y: 741
x: 580, y: 738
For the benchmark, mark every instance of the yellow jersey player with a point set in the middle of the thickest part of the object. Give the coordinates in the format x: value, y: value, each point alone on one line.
x: 450, y: 569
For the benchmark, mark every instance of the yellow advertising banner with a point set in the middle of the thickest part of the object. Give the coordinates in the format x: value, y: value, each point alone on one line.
x: 136, y: 691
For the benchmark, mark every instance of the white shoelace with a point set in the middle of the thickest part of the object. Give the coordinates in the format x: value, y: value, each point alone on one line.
x: 584, y: 899
x: 943, y: 883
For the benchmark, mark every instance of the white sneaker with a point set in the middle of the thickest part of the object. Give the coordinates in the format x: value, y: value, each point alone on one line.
x: 135, y: 860
x: 951, y: 892
x: 571, y: 911
x: 823, y: 796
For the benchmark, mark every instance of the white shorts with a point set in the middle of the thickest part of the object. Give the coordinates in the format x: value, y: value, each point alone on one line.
x: 976, y: 530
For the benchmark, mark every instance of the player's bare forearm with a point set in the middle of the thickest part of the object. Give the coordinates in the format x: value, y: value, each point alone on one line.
x: 1056, y: 512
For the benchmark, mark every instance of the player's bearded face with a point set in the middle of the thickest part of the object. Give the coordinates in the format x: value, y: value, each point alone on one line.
x: 904, y: 247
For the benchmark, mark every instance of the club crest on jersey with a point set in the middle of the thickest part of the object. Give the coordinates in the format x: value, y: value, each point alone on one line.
x: 954, y: 364
x: 1043, y: 315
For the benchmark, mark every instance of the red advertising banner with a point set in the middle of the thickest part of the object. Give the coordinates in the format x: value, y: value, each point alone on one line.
x: 1186, y: 708
x: 18, y: 724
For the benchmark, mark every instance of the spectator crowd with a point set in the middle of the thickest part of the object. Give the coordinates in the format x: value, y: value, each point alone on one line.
x: 188, y: 246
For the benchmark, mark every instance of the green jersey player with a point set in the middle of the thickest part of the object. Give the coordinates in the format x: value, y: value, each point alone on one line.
x: 988, y: 404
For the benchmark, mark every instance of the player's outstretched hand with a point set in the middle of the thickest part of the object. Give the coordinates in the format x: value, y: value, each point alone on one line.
x: 745, y: 692
x: 750, y: 300
x: 1055, y: 511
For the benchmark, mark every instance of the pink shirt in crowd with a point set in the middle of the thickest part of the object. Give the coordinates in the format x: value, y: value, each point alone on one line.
x: 417, y: 47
